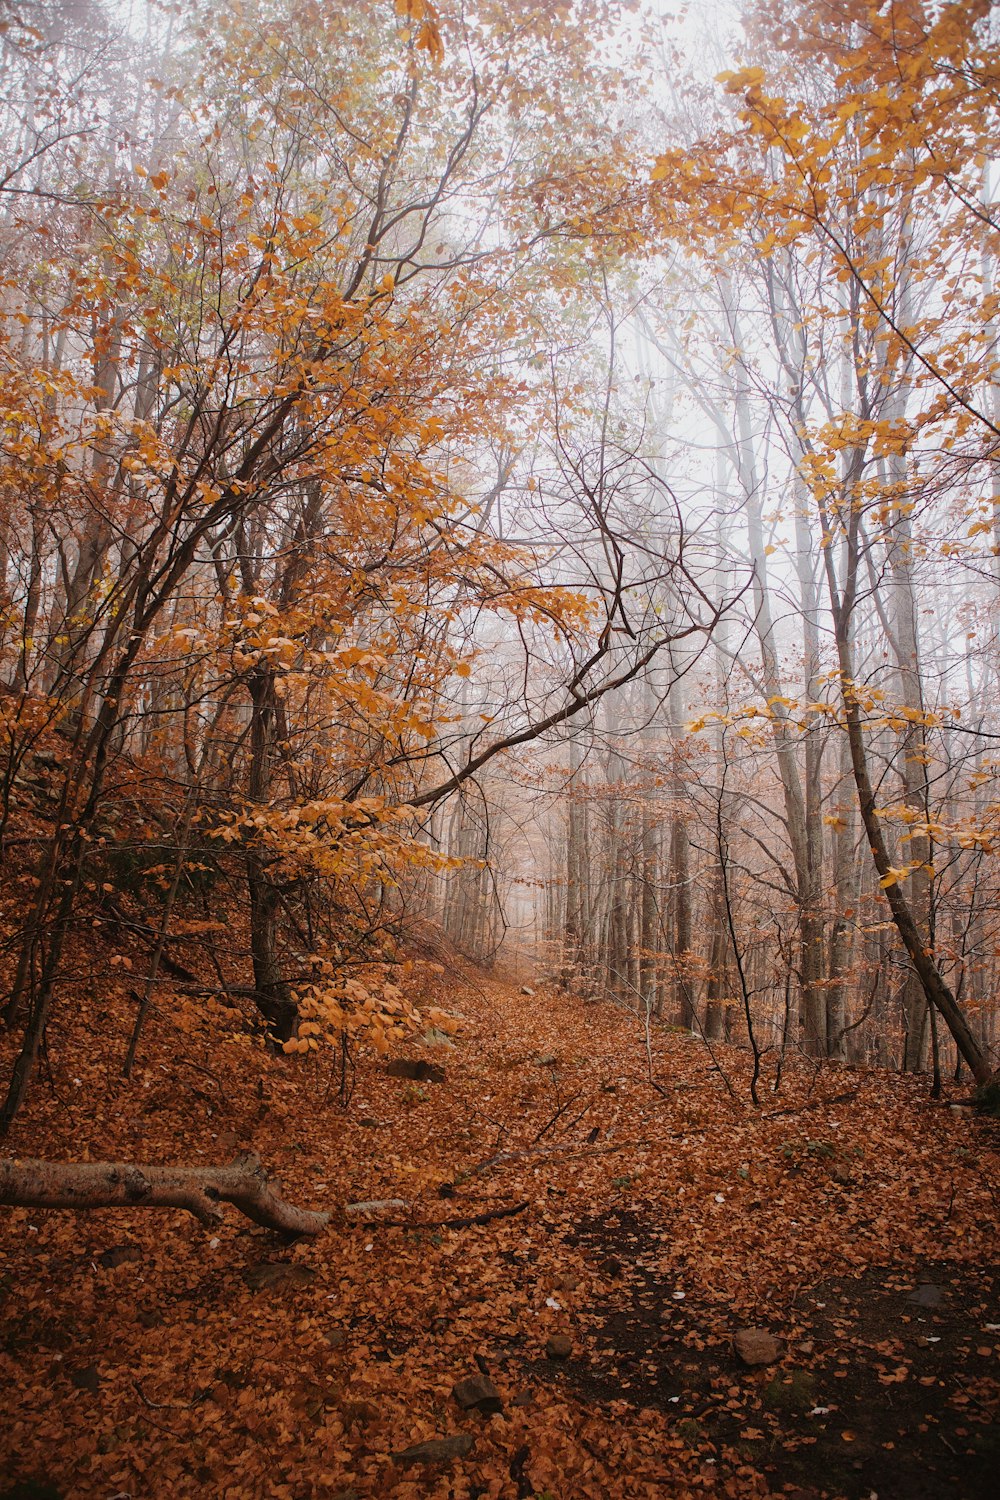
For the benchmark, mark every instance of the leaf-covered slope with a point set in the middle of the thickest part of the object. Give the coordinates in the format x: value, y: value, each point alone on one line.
x: 144, y: 1356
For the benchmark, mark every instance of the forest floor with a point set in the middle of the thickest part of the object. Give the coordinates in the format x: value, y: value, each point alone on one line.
x: 850, y: 1216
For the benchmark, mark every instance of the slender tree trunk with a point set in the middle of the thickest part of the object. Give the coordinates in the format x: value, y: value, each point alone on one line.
x: 575, y: 932
x: 801, y: 811
x: 842, y: 603
x: 845, y: 884
x: 912, y: 760
x: 680, y: 876
x: 274, y: 997
x: 912, y: 755
x: 650, y: 920
x: 716, y: 987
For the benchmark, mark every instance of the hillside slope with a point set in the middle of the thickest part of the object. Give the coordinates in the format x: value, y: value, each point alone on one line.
x: 850, y: 1217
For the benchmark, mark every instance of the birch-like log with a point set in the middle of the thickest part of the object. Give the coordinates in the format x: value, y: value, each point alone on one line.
x: 27, y: 1183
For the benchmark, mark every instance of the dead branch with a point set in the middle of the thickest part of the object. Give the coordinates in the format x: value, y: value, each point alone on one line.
x: 485, y: 1217
x: 559, y: 1112
x: 373, y: 1206
x: 465, y: 1221
x: 503, y: 1158
x: 810, y: 1104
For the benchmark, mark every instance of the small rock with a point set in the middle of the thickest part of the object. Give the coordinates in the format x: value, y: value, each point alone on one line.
x: 436, y: 1450
x: 926, y: 1295
x: 527, y: 990
x: 755, y: 1346
x: 279, y: 1275
x: 336, y: 1338
x: 119, y: 1255
x: 559, y: 1346
x: 359, y: 1413
x: 435, y: 1037
x: 417, y: 1069
x: 87, y: 1378
x: 477, y: 1392
x: 367, y: 1123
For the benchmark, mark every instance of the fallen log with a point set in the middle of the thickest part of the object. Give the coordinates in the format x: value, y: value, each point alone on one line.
x: 28, y: 1183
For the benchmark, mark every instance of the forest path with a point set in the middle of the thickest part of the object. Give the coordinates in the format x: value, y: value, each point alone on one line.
x: 849, y: 1216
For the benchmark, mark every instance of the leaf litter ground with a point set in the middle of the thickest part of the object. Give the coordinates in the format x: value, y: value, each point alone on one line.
x: 850, y: 1216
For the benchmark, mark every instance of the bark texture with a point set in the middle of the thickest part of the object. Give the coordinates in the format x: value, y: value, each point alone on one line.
x: 28, y: 1183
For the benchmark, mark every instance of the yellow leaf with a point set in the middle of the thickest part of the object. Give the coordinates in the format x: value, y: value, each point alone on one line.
x: 429, y: 40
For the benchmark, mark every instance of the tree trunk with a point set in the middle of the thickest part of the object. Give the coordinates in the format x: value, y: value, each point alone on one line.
x: 649, y: 910
x: 681, y: 881
x: 716, y: 988
x: 912, y: 768
x: 845, y: 880
x: 201, y: 1191
x: 802, y: 811
x: 577, y: 942
x: 905, y: 638
x: 274, y: 998
x: 842, y: 602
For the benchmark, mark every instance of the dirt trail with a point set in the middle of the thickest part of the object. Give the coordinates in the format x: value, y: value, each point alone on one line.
x: 849, y: 1217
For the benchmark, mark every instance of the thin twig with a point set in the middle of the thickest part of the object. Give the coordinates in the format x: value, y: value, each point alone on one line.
x: 166, y: 1405
x: 502, y: 1158
x: 560, y: 1111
